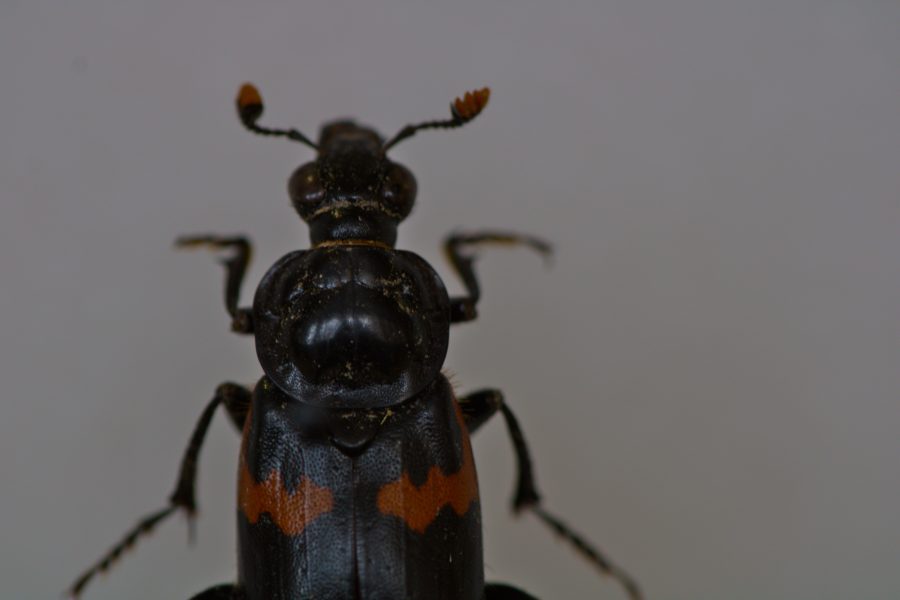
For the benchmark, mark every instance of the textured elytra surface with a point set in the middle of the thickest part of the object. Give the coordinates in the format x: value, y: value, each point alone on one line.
x: 401, y: 505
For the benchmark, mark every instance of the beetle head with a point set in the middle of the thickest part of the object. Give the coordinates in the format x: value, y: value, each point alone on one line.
x: 352, y: 192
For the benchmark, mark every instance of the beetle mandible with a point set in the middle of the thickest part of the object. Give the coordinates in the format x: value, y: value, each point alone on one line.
x: 356, y: 478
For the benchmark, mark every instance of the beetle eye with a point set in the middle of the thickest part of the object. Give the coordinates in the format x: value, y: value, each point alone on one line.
x: 398, y: 192
x: 305, y: 189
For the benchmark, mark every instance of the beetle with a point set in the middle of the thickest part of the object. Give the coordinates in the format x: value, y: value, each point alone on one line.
x: 356, y: 478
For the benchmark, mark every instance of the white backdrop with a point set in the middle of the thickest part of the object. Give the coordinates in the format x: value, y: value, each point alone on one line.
x: 707, y: 373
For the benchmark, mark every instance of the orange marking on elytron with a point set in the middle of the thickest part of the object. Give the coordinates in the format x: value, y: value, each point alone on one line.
x: 290, y: 511
x: 419, y: 506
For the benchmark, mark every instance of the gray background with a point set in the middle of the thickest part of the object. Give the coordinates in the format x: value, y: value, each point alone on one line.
x: 707, y: 374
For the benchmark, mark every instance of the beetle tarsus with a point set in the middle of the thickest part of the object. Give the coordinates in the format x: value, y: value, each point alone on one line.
x: 460, y: 251
x: 235, y: 269
x: 236, y: 400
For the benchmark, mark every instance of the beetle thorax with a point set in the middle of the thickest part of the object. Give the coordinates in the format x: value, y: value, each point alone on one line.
x: 351, y: 326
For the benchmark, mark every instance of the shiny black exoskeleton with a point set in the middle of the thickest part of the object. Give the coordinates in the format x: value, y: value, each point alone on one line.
x: 356, y: 479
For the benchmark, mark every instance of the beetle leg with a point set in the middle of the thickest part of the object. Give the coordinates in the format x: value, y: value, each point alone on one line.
x: 480, y: 406
x: 235, y: 268
x: 237, y: 401
x: 226, y: 591
x: 456, y: 245
x: 477, y: 408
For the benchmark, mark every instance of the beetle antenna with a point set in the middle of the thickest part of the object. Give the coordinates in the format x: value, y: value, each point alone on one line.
x: 250, y: 109
x: 462, y: 110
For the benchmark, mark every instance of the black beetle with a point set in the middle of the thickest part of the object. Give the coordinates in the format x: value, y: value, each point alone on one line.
x: 356, y: 476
